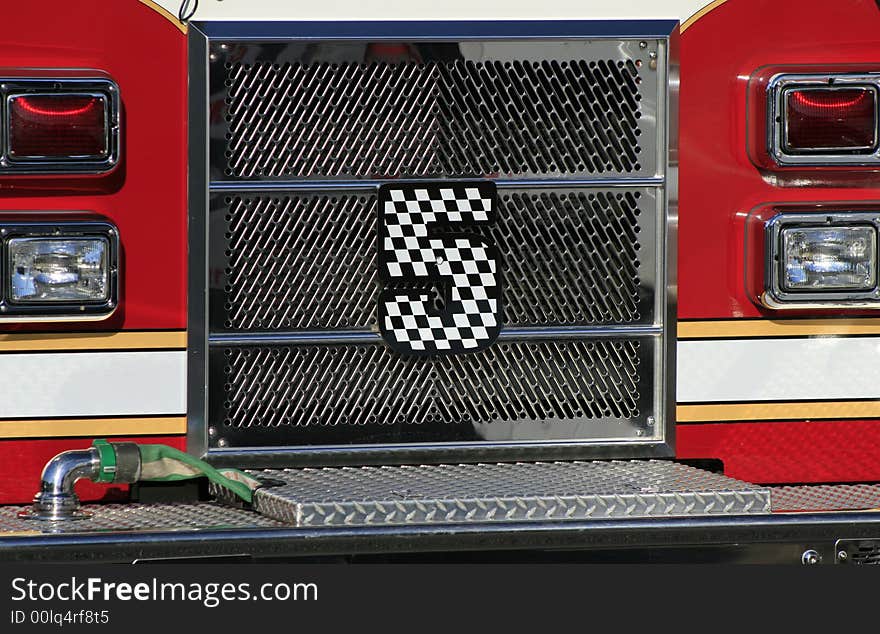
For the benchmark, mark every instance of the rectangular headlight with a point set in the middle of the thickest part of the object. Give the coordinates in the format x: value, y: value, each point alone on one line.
x: 59, y: 270
x: 829, y: 258
x: 817, y: 260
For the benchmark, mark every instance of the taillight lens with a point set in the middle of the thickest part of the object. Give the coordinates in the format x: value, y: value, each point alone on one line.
x: 58, y: 126
x: 828, y: 120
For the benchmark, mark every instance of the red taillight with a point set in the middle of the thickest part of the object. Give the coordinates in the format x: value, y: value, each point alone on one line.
x: 58, y: 127
x: 826, y: 120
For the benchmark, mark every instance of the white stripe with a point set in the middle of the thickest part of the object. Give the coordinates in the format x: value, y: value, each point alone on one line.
x: 825, y: 368
x: 92, y: 384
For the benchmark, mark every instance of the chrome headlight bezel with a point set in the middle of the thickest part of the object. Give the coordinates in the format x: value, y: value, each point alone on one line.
x: 776, y: 294
x: 42, y: 310
x: 777, y: 120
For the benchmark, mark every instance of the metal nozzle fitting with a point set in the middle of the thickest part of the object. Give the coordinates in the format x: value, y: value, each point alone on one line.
x: 103, y: 462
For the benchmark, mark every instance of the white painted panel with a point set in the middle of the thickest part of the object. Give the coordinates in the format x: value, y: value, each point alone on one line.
x: 92, y: 384
x: 442, y: 9
x: 826, y: 368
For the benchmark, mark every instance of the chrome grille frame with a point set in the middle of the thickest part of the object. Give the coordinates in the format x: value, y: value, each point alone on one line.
x: 655, y: 42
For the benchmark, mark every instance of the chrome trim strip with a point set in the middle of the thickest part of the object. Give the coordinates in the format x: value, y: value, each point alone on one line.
x: 292, y: 338
x: 197, y: 231
x: 348, y: 185
x: 436, y: 453
x: 666, y: 296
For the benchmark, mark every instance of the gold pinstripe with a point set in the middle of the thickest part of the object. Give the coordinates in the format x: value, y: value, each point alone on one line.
x: 745, y: 328
x: 60, y: 341
x: 165, y: 14
x: 93, y: 427
x: 777, y: 410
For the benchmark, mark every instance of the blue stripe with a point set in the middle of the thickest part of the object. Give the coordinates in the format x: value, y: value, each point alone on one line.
x: 438, y: 30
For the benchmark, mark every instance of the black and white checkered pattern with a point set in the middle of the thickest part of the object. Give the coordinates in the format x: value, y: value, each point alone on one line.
x: 464, y: 267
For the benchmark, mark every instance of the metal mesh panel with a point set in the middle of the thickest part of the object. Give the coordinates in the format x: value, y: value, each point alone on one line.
x: 307, y: 261
x: 370, y: 386
x: 378, y: 119
x: 571, y: 131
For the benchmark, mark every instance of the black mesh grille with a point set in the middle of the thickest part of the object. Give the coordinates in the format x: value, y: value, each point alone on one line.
x: 867, y: 553
x: 449, y: 118
x: 308, y: 261
x: 370, y: 386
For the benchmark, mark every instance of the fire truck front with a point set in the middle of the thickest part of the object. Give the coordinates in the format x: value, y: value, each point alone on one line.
x: 284, y: 280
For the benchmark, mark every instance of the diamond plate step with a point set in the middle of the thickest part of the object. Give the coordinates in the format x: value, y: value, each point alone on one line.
x: 822, y: 498
x: 136, y: 517
x: 511, y: 492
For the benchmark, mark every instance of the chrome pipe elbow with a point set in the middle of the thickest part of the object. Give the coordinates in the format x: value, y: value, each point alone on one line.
x: 56, y: 499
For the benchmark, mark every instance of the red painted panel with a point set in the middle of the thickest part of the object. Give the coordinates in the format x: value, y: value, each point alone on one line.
x: 20, y: 477
x: 145, y: 196
x: 725, y: 174
x: 774, y: 453
x: 719, y: 184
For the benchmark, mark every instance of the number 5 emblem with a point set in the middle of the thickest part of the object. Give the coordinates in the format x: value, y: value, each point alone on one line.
x: 423, y: 245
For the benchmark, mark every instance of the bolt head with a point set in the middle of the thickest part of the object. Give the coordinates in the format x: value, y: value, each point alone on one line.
x: 810, y: 558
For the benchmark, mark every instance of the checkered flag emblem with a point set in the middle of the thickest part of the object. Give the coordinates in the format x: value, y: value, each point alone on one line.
x: 423, y: 248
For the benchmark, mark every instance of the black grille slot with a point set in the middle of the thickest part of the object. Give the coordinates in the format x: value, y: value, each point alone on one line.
x: 368, y: 392
x: 307, y: 261
x: 866, y: 553
x: 432, y: 118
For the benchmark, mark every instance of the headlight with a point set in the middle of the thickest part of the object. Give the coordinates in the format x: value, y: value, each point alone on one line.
x: 834, y: 258
x: 53, y: 270
x: 823, y: 260
x: 58, y: 271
